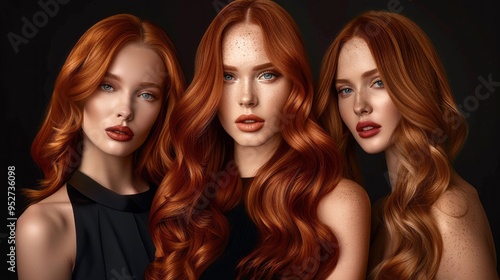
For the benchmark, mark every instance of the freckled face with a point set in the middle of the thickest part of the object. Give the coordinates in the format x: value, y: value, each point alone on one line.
x: 364, y: 104
x: 254, y: 90
x: 118, y: 116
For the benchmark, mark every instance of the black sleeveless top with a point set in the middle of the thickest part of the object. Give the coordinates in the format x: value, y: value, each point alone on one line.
x: 243, y: 238
x: 112, y: 237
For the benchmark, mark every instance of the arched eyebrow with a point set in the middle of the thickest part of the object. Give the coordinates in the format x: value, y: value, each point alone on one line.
x: 112, y: 76
x: 255, y: 68
x: 366, y: 74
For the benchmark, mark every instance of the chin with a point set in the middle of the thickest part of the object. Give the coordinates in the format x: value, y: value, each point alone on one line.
x: 372, y: 150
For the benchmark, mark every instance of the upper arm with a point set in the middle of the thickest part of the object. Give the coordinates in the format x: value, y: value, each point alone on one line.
x: 346, y: 210
x: 42, y: 250
x: 468, y: 251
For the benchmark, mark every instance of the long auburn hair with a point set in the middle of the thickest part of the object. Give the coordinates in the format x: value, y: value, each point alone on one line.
x: 187, y: 221
x: 430, y: 134
x: 57, y: 147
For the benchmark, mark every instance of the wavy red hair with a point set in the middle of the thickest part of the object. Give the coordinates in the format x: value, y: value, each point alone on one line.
x: 57, y: 147
x: 187, y: 219
x: 430, y: 134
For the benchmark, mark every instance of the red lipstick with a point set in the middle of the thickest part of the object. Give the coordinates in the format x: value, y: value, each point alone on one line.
x: 120, y: 133
x: 249, y: 123
x: 367, y: 129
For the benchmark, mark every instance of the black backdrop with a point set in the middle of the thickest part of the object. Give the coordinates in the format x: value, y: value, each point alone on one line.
x: 36, y: 37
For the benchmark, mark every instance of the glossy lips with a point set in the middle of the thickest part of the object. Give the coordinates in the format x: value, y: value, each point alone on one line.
x: 367, y: 129
x: 120, y: 133
x: 249, y: 123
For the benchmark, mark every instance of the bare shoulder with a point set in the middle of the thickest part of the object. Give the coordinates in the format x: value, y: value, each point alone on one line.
x: 347, y: 203
x: 456, y: 202
x: 46, y: 240
x: 347, y: 195
x: 346, y: 210
x: 468, y: 249
x: 460, y: 203
x: 45, y: 219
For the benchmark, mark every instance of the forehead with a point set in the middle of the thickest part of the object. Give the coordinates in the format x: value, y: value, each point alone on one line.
x: 355, y: 53
x: 244, y: 43
x: 137, y: 61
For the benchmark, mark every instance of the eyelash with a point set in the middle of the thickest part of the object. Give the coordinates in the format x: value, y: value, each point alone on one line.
x: 341, y: 90
x: 151, y: 97
x: 378, y: 80
x: 226, y: 75
x: 274, y: 73
x: 106, y: 84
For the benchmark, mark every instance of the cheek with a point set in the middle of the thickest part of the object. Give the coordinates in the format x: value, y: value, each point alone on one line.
x: 91, y: 114
x: 345, y: 111
x: 392, y: 114
x: 145, y: 116
x: 279, y: 96
x: 226, y: 105
x: 152, y: 115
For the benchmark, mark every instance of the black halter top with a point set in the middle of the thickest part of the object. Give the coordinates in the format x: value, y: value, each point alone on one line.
x: 112, y: 236
x: 242, y: 240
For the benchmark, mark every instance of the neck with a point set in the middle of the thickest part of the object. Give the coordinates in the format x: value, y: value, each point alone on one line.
x: 114, y: 173
x: 251, y: 159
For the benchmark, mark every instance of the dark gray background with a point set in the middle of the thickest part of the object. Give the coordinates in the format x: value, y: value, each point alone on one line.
x: 465, y: 35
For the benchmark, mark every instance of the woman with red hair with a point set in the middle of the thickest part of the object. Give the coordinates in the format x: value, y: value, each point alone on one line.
x: 256, y: 189
x: 99, y: 150
x: 382, y: 85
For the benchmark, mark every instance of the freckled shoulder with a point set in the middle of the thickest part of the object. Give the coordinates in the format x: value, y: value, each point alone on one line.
x: 468, y: 250
x: 348, y: 192
x: 347, y: 200
x: 453, y: 202
x: 346, y: 210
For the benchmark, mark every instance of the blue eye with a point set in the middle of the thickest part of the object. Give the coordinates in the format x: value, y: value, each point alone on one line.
x: 228, y: 77
x: 147, y: 96
x: 379, y: 83
x: 345, y: 91
x: 106, y: 87
x: 268, y: 76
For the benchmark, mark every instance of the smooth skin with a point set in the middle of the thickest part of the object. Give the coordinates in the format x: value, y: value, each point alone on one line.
x: 468, y: 248
x: 129, y: 95
x: 252, y: 85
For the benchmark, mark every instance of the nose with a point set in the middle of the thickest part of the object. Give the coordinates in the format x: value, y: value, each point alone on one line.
x: 362, y: 103
x: 248, y: 97
x: 125, y: 108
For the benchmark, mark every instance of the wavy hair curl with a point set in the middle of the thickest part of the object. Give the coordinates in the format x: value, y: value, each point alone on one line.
x: 57, y: 146
x: 430, y: 134
x: 187, y: 221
